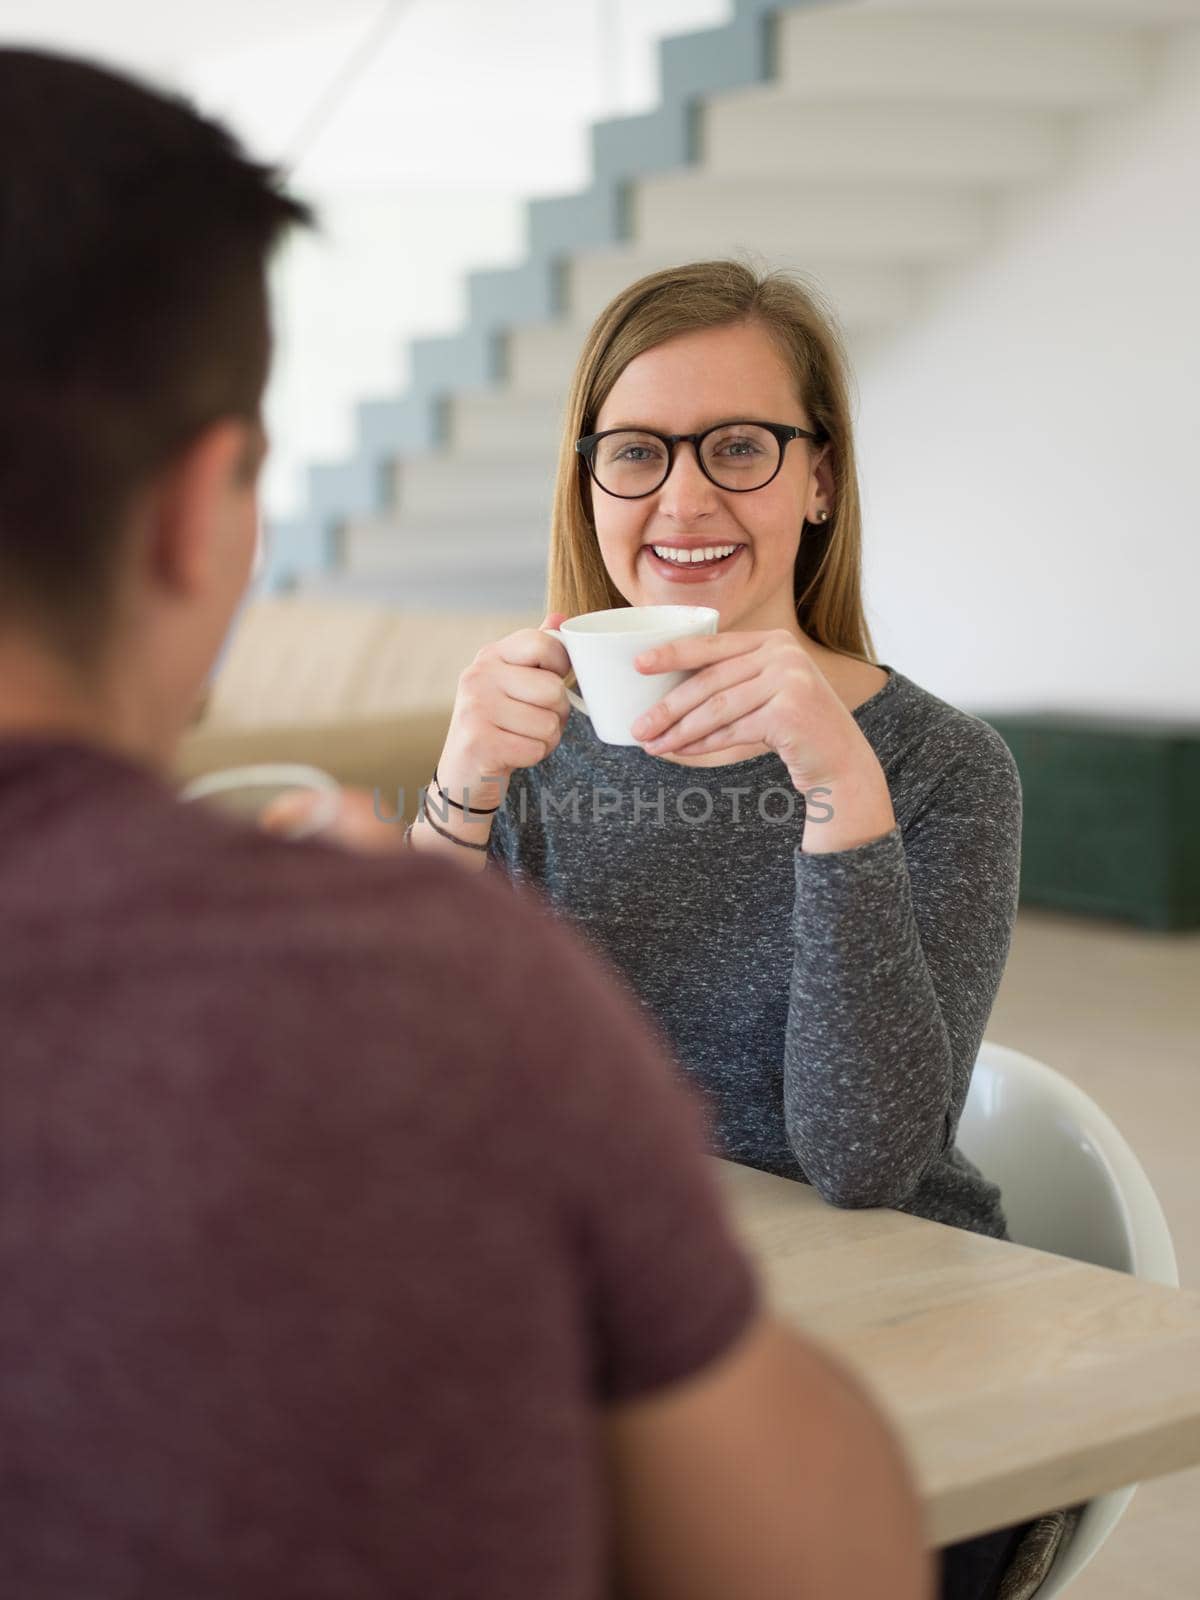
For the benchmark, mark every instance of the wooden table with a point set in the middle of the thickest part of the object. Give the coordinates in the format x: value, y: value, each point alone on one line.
x: 1019, y: 1381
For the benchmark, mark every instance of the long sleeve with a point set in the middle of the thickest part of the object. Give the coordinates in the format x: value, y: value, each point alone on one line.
x: 899, y: 948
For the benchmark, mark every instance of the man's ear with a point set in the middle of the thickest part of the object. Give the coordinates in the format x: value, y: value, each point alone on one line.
x: 190, y: 502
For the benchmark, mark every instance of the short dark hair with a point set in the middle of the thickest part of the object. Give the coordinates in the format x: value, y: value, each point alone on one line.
x: 134, y: 241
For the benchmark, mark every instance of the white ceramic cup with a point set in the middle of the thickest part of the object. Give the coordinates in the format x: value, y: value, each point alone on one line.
x: 602, y: 646
x: 246, y: 792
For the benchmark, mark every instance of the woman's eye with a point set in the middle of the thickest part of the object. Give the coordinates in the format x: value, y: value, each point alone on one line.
x: 738, y: 447
x: 636, y: 453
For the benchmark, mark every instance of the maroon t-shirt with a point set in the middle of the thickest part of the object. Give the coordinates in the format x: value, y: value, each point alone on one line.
x: 337, y: 1195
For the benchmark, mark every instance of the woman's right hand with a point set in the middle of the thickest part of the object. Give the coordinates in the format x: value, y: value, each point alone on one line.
x: 509, y: 712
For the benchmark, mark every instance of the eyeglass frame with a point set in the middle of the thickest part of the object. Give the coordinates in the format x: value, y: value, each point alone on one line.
x: 784, y: 433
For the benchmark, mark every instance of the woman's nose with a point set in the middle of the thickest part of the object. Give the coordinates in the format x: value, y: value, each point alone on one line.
x: 687, y: 493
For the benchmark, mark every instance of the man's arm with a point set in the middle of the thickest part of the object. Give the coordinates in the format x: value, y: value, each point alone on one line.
x: 766, y: 1474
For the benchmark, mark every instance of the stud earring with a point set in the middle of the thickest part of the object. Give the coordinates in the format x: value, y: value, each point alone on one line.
x: 822, y: 516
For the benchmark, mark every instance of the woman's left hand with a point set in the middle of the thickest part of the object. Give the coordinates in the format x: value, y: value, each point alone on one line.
x: 753, y: 688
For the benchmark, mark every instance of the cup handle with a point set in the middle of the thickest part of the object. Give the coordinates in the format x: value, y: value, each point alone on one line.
x: 571, y: 695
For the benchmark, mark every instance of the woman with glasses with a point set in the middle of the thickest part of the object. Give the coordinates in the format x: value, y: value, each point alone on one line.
x: 807, y: 867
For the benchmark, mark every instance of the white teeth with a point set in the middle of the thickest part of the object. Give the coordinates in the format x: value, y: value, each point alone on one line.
x: 713, y: 552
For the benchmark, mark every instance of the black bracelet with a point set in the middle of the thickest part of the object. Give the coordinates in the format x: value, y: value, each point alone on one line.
x: 471, y: 811
x: 466, y: 843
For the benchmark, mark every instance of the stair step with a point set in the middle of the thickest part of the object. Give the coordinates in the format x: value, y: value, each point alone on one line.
x: 539, y: 358
x: 446, y: 540
x: 446, y: 565
x: 516, y: 589
x: 1087, y: 11
x: 691, y: 212
x: 440, y: 488
x: 927, y: 54
x: 770, y: 131
x: 513, y: 424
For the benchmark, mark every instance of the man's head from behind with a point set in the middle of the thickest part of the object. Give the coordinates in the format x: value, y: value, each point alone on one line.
x: 134, y: 350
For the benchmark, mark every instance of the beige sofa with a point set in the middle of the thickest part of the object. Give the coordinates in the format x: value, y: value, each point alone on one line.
x: 361, y: 691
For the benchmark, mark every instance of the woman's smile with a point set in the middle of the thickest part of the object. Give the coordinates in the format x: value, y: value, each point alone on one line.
x: 678, y: 563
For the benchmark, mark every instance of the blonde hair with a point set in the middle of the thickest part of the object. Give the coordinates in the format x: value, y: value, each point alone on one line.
x: 709, y: 294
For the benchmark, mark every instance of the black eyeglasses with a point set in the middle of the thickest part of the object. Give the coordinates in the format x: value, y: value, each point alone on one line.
x: 633, y: 462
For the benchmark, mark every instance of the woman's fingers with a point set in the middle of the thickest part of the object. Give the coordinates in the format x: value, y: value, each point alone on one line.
x: 527, y: 718
x: 747, y: 730
x: 717, y: 714
x: 684, y: 701
x: 697, y: 650
x: 533, y: 686
x: 531, y: 647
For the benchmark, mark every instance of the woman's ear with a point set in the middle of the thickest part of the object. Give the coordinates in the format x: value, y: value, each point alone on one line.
x: 821, y: 486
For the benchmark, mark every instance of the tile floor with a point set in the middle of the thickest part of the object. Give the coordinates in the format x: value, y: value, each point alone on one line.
x: 1118, y: 1011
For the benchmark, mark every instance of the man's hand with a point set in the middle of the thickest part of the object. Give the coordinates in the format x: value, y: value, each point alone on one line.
x: 356, y: 826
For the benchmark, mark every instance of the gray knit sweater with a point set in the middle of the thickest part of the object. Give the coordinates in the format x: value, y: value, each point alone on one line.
x: 828, y: 1007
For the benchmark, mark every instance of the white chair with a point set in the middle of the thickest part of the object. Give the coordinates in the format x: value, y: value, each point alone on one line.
x: 1071, y: 1185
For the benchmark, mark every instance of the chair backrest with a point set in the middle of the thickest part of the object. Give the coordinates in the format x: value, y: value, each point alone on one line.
x: 1069, y: 1180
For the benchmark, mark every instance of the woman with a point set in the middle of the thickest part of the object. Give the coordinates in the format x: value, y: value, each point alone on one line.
x: 824, y: 963
x: 825, y: 982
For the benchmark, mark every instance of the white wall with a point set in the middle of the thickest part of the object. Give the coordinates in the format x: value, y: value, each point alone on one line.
x: 1031, y: 450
